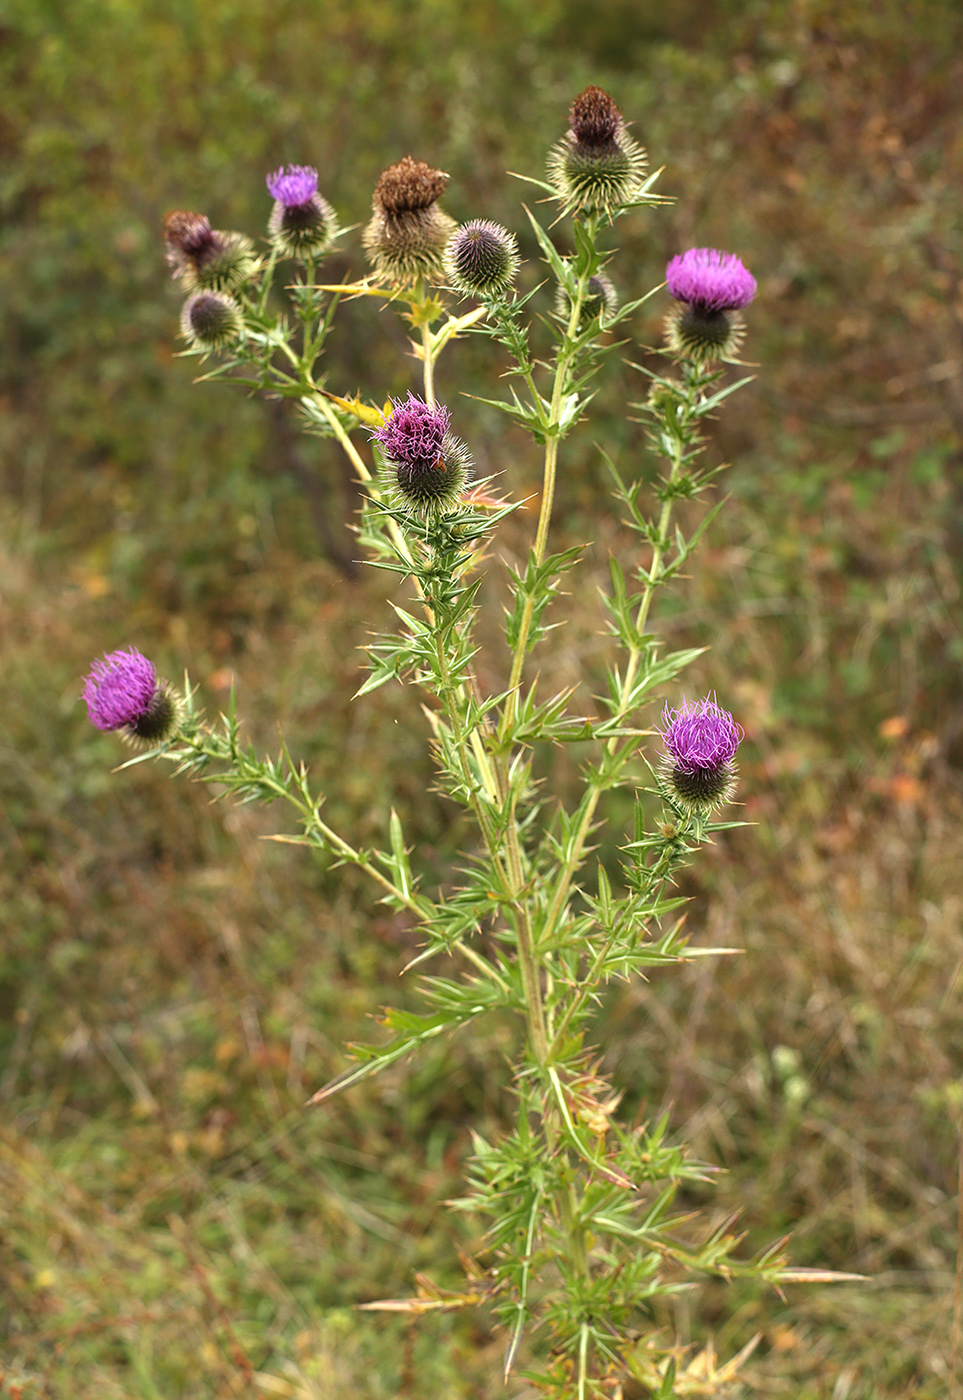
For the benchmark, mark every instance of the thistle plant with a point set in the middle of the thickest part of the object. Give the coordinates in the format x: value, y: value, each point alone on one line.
x: 578, y: 1235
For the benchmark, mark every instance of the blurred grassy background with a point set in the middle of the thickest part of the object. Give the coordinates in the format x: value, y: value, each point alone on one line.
x: 171, y: 987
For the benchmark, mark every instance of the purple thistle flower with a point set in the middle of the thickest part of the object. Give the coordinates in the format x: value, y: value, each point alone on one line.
x: 293, y: 185
x: 122, y: 692
x: 700, y: 741
x: 705, y: 277
x: 709, y: 287
x: 414, y: 432
x: 302, y: 223
x: 429, y: 463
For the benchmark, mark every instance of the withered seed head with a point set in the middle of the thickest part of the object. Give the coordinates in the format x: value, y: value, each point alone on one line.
x: 409, y: 185
x: 596, y: 168
x: 594, y: 118
x: 206, y: 258
x: 188, y: 236
x: 407, y: 235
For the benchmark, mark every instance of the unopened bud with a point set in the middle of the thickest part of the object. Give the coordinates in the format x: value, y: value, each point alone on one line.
x: 211, y: 320
x: 482, y: 258
x: 600, y: 299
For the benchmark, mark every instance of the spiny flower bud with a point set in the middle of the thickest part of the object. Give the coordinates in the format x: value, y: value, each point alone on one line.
x: 205, y: 258
x: 407, y: 235
x: 600, y: 299
x: 123, y: 693
x: 211, y: 320
x: 665, y: 395
x: 428, y: 466
x: 710, y: 288
x: 596, y: 167
x: 302, y: 223
x: 482, y: 259
x: 700, y: 743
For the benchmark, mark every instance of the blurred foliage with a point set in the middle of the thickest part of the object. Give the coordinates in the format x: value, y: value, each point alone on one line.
x: 172, y: 987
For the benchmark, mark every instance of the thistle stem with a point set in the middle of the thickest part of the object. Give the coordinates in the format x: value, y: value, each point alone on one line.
x: 562, y: 366
x: 219, y: 748
x: 653, y: 579
x: 429, y: 357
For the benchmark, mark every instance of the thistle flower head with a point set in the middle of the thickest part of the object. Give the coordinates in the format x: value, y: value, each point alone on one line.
x: 482, y: 258
x: 596, y: 167
x: 293, y: 185
x: 207, y: 259
x: 302, y: 223
x: 211, y: 320
x: 710, y: 288
x: 188, y: 237
x: 706, y: 277
x: 406, y: 237
x: 427, y: 464
x: 700, y: 742
x: 600, y: 299
x: 122, y: 692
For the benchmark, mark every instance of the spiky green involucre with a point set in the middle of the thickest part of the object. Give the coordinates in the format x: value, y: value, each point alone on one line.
x: 701, y: 334
x: 482, y: 259
x: 211, y: 320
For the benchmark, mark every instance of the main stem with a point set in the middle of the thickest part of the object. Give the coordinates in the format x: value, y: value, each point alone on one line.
x: 653, y: 579
x: 429, y: 359
x: 529, y: 961
x: 548, y: 499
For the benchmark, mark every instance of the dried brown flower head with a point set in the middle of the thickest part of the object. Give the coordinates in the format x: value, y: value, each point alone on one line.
x: 407, y: 235
x: 409, y: 185
x: 596, y: 168
x: 595, y: 120
x: 204, y: 258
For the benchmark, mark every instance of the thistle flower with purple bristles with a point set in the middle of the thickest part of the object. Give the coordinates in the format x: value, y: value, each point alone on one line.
x: 711, y: 288
x: 205, y: 258
x: 302, y: 223
x: 482, y: 259
x: 123, y: 692
x: 428, y: 465
x: 700, y: 742
x: 596, y: 167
